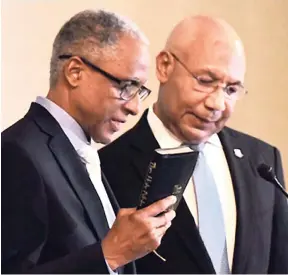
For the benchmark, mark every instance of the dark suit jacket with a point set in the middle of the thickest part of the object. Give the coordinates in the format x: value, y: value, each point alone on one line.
x: 261, y: 244
x: 52, y: 217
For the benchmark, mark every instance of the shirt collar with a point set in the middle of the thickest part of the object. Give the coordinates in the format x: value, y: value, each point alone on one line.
x: 165, y: 138
x: 215, y: 141
x: 69, y: 125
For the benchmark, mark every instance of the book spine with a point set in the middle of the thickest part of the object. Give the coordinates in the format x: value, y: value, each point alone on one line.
x: 147, y: 184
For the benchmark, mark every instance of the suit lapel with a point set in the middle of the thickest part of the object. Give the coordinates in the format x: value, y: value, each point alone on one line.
x: 110, y: 194
x: 80, y: 183
x: 241, y: 175
x: 129, y: 268
x: 184, y: 225
x: 72, y: 167
x: 143, y: 143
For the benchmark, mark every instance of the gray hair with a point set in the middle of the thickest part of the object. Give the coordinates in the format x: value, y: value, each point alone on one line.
x: 94, y: 32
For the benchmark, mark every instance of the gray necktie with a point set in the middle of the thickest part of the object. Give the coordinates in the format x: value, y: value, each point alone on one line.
x: 211, y: 221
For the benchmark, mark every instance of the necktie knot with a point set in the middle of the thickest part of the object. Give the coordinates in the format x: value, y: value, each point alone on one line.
x: 89, y: 155
x: 195, y: 147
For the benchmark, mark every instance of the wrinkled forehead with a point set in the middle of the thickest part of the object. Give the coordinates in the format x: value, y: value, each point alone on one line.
x: 226, y: 58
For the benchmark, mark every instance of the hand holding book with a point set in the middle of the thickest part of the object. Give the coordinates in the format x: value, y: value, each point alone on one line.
x: 168, y: 174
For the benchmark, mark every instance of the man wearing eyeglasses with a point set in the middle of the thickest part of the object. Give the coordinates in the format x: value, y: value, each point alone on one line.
x: 58, y: 211
x: 230, y: 220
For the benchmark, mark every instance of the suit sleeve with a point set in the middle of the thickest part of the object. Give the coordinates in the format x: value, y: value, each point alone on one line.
x: 25, y: 222
x: 279, y: 241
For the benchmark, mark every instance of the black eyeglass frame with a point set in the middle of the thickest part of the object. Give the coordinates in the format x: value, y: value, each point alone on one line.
x: 143, y: 91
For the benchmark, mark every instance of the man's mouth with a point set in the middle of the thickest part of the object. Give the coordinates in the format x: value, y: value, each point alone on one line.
x: 116, y: 124
x: 205, y: 120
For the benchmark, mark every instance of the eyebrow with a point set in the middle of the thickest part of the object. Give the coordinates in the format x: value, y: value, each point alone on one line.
x: 133, y: 81
x: 214, y: 76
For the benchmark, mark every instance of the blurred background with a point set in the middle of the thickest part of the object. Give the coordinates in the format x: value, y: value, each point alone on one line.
x: 29, y: 28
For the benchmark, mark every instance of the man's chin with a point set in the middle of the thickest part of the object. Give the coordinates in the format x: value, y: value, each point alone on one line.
x: 197, y: 136
x: 105, y: 138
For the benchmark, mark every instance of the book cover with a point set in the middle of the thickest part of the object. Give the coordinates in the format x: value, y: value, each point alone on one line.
x: 168, y: 174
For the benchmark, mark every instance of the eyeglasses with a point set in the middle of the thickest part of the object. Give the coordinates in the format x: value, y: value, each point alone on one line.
x: 231, y: 91
x: 128, y: 88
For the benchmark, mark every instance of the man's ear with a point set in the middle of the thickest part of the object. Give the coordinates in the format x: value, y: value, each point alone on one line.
x: 164, y: 66
x: 73, y: 71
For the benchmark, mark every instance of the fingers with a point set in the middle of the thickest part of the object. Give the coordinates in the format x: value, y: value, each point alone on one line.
x: 146, y: 219
x: 158, y: 228
x: 126, y: 211
x: 162, y: 230
x: 137, y: 232
x: 155, y: 236
x: 164, y: 219
x: 158, y: 207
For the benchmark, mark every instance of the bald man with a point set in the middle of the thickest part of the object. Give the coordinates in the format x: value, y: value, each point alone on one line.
x: 201, y: 74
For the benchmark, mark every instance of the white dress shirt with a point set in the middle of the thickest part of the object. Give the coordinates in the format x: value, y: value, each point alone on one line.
x: 78, y: 139
x: 217, y: 162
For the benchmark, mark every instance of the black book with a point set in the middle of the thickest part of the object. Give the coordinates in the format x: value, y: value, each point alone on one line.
x: 168, y: 174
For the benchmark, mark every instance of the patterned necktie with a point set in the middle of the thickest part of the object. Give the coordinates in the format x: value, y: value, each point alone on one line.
x: 211, y: 220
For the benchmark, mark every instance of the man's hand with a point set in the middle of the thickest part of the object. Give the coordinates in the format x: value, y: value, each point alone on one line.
x: 136, y: 233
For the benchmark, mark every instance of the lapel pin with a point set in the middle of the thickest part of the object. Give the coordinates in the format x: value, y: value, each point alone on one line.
x: 238, y: 153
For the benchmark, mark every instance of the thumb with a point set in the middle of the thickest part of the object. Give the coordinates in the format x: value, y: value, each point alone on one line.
x: 126, y: 211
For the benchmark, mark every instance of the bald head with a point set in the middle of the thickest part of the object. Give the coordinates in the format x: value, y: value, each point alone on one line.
x: 199, y: 28
x: 203, y: 34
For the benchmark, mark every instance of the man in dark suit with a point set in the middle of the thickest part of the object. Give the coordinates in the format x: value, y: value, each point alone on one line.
x: 57, y: 208
x: 201, y: 73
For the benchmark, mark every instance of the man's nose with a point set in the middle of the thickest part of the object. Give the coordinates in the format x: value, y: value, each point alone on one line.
x: 133, y: 105
x: 216, y: 99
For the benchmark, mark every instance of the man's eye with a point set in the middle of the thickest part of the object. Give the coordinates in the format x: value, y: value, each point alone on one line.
x: 128, y: 89
x: 232, y: 90
x: 125, y: 85
x: 206, y: 80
